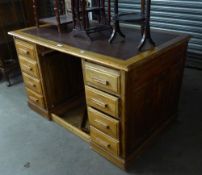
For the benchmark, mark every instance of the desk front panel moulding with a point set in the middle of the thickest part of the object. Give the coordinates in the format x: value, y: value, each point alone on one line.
x: 35, y: 98
x: 26, y: 49
x: 103, y: 122
x: 102, y: 77
x: 29, y: 66
x: 102, y: 101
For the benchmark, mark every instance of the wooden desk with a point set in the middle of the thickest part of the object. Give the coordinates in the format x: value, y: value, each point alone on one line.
x: 129, y: 96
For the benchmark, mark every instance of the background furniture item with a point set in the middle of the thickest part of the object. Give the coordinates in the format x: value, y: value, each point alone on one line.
x: 8, y: 66
x: 85, y: 26
x: 60, y: 15
x: 177, y: 16
x: 129, y: 96
x: 142, y: 18
x: 11, y: 19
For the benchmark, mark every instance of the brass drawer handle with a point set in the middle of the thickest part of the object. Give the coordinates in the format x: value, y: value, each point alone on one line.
x: 100, y: 81
x: 99, y: 103
x: 34, y: 99
x: 23, y: 51
x: 102, y: 124
x: 28, y: 67
x: 32, y: 84
x: 103, y: 143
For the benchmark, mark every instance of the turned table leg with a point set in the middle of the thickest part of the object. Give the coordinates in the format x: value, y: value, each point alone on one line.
x: 57, y: 15
x: 109, y: 11
x: 147, y: 33
x: 35, y: 9
x: 116, y: 26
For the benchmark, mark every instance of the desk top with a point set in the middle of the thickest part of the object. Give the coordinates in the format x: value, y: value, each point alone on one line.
x: 121, y: 54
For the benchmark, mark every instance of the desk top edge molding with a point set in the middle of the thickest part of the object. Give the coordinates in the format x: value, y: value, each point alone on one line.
x: 124, y: 65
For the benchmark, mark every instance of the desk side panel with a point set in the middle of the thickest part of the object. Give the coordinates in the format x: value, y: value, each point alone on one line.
x: 152, y: 94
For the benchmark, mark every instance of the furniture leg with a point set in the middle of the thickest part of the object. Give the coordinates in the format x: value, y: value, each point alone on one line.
x: 147, y: 33
x: 73, y: 13
x: 7, y: 78
x: 143, y: 14
x: 1, y: 75
x: 84, y: 4
x: 63, y: 7
x: 116, y: 30
x: 35, y: 8
x: 109, y: 12
x: 103, y: 14
x: 116, y: 26
x: 57, y: 15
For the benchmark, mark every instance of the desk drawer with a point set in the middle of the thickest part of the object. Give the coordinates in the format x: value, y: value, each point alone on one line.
x: 35, y: 98
x: 103, y: 122
x: 102, y: 77
x: 29, y: 66
x: 32, y: 83
x: 106, y: 142
x: 25, y: 49
x: 102, y: 101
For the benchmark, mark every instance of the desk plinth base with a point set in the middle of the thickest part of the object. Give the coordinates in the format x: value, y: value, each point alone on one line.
x: 116, y: 160
x: 39, y: 110
x: 70, y: 127
x: 125, y: 163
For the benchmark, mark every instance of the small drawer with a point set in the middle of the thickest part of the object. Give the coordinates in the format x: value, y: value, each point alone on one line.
x: 29, y: 66
x: 25, y: 49
x: 32, y: 83
x: 106, y: 142
x: 102, y: 77
x: 103, y: 122
x: 102, y: 101
x: 35, y: 98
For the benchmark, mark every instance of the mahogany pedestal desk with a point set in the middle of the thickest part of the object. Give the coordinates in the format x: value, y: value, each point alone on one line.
x: 129, y: 96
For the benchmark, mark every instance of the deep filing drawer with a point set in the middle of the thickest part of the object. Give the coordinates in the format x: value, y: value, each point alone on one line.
x: 102, y: 77
x: 103, y: 122
x: 106, y: 142
x: 29, y: 66
x: 32, y: 83
x: 102, y: 101
x: 25, y: 49
x: 35, y: 98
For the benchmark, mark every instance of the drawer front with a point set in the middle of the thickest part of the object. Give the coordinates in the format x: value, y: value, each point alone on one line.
x: 32, y: 83
x: 25, y: 49
x: 106, y: 142
x: 35, y: 98
x: 29, y: 66
x: 102, y: 101
x: 103, y: 122
x: 102, y: 77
